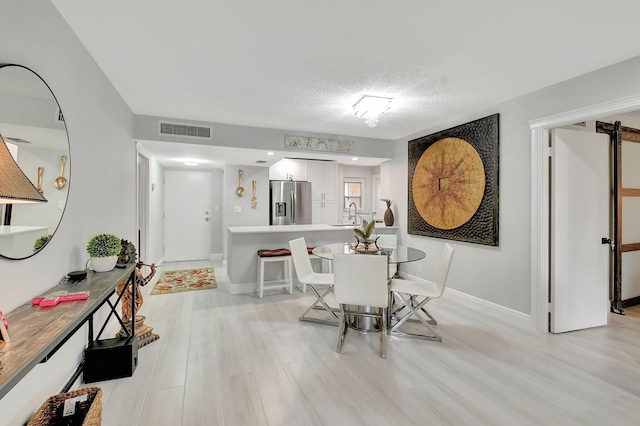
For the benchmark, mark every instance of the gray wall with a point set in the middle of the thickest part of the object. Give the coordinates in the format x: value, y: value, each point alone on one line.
x: 502, y: 275
x: 247, y: 216
x: 146, y: 128
x: 101, y: 187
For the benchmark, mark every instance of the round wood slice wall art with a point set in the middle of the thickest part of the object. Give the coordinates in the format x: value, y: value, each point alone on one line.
x: 448, y: 183
x: 453, y: 180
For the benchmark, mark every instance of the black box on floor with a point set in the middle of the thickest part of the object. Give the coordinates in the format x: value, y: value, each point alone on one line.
x: 110, y: 359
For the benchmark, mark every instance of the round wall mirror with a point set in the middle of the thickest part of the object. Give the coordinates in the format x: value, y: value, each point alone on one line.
x: 33, y: 129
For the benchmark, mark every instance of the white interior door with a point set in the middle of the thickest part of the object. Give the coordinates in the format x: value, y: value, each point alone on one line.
x: 187, y: 215
x: 580, y: 202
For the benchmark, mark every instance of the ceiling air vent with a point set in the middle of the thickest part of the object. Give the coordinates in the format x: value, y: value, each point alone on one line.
x: 18, y: 140
x: 186, y: 130
x: 261, y: 161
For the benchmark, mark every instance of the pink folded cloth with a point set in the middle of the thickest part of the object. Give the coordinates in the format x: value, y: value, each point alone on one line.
x: 59, y: 296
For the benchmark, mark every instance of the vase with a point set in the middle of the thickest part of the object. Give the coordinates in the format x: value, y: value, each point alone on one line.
x: 103, y: 264
x: 388, y: 217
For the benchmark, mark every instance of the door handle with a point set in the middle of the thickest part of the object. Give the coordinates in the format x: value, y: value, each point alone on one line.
x: 608, y: 241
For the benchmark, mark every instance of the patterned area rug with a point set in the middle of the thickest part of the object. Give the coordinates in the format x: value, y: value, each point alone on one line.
x: 185, y: 280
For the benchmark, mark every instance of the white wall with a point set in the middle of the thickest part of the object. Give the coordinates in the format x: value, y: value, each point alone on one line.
x: 502, y: 274
x: 101, y: 188
x: 217, y: 206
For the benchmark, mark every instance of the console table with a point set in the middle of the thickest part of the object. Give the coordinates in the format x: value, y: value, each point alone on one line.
x: 36, y: 333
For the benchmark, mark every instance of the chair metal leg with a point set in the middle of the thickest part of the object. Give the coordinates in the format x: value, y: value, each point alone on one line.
x: 384, y: 338
x: 324, y: 306
x: 415, y: 311
x: 342, y: 329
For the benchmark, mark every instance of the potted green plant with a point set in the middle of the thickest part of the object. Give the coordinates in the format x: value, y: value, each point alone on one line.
x: 104, y: 250
x: 41, y: 242
x: 364, y: 233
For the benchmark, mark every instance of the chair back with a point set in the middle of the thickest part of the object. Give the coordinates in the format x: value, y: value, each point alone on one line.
x: 388, y: 241
x: 301, y: 260
x: 361, y: 279
x: 443, y: 272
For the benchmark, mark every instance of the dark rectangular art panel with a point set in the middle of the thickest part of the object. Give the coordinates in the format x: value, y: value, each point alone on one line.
x: 453, y: 183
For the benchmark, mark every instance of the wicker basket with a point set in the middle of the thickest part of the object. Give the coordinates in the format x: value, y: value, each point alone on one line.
x: 89, y: 412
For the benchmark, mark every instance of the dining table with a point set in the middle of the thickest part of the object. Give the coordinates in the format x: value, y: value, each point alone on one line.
x: 396, y: 255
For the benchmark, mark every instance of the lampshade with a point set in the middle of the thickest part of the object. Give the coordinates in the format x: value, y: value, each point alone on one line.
x: 15, y: 187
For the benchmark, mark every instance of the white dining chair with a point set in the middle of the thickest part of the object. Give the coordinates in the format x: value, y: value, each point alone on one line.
x: 389, y: 241
x: 361, y: 280
x: 414, y: 295
x: 315, y: 280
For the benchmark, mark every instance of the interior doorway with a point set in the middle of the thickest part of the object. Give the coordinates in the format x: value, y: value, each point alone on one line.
x: 541, y: 257
x: 187, y: 215
x: 580, y: 217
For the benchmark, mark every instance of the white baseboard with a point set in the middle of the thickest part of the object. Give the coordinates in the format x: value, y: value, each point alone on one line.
x: 519, y: 319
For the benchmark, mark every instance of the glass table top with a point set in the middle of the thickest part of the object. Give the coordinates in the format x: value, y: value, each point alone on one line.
x: 400, y: 254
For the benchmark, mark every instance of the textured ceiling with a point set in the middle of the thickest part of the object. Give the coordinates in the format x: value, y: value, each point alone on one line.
x: 301, y: 65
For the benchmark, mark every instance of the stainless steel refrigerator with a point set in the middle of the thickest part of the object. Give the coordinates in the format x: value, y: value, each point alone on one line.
x: 290, y: 202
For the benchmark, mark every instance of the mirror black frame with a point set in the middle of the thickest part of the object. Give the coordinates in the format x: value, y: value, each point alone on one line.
x: 68, y: 155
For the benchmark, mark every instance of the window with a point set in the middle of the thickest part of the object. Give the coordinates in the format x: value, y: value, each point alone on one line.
x: 353, y: 189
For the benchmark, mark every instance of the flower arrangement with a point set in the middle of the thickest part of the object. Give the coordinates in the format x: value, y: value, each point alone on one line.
x: 104, y: 245
x: 41, y: 242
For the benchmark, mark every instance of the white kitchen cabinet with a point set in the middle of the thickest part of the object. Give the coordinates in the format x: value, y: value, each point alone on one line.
x: 323, y: 178
x: 289, y: 169
x: 324, y: 212
x: 324, y: 191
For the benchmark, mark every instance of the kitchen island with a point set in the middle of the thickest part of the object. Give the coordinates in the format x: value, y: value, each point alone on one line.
x: 243, y: 243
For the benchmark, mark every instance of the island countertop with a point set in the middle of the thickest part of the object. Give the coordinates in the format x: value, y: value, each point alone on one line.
x: 243, y: 242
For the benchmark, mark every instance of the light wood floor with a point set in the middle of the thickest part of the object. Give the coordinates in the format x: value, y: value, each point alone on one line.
x: 239, y: 360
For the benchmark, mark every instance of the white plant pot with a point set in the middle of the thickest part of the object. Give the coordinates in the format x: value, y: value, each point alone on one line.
x: 103, y: 264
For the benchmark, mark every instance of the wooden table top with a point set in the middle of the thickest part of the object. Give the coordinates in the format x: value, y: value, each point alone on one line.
x: 35, y: 331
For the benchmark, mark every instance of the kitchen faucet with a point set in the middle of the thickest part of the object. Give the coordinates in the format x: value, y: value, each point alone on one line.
x: 354, y: 217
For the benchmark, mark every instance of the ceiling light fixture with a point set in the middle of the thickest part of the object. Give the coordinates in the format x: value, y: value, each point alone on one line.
x: 354, y: 159
x: 270, y: 153
x: 371, y: 107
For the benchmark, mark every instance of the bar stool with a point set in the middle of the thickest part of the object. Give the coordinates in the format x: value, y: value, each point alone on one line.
x: 277, y: 255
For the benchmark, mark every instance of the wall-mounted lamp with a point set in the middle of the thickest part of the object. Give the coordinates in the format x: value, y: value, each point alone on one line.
x: 15, y: 186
